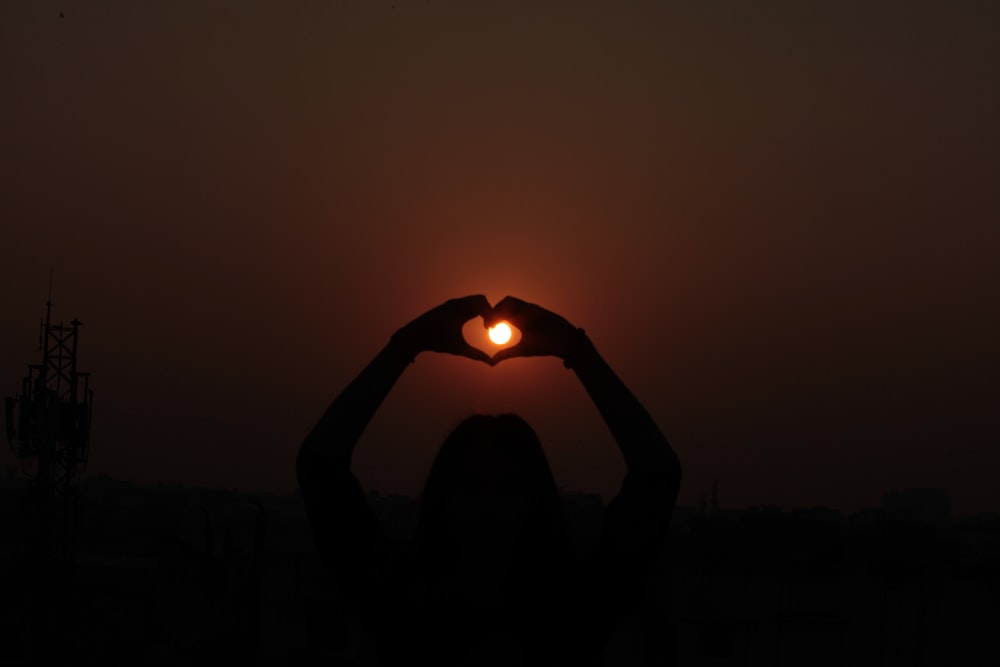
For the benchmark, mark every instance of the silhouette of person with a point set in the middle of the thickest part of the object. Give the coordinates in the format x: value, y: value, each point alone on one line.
x: 491, y: 577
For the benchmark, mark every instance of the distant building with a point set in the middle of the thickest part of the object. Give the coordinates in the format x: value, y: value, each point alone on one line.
x: 829, y: 514
x: 931, y: 506
x: 766, y: 509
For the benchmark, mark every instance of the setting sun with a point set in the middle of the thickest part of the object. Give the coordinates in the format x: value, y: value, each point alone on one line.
x: 500, y: 334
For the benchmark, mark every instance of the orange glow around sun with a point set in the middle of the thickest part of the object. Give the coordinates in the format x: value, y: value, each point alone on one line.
x: 500, y: 334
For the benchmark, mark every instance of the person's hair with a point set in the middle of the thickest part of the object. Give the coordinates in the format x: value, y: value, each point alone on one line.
x: 542, y: 546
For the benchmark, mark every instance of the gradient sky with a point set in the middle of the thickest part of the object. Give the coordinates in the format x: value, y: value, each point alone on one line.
x: 777, y: 221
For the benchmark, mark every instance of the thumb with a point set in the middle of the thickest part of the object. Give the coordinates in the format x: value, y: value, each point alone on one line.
x: 508, y: 353
x: 475, y: 354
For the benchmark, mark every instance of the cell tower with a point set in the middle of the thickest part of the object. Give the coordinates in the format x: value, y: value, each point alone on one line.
x: 48, y: 427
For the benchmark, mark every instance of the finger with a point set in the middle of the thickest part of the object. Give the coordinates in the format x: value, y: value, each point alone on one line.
x: 507, y: 309
x: 508, y: 353
x: 475, y: 354
x: 473, y: 305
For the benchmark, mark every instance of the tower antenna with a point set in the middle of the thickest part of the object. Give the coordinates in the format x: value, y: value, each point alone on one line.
x: 48, y: 427
x: 48, y: 303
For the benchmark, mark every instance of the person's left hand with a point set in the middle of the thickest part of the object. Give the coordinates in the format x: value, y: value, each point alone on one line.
x: 440, y: 328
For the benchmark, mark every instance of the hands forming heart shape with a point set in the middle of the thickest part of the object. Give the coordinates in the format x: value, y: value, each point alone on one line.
x: 543, y: 333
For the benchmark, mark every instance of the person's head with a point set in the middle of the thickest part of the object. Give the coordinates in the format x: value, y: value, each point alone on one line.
x: 490, y: 486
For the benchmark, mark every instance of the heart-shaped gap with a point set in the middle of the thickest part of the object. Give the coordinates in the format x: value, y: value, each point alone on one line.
x: 477, y: 336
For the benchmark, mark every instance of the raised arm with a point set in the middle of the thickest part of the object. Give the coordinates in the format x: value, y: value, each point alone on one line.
x: 646, y: 451
x: 636, y: 520
x: 344, y: 528
x: 437, y: 330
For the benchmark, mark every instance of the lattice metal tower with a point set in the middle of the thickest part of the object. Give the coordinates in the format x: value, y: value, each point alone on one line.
x: 48, y: 426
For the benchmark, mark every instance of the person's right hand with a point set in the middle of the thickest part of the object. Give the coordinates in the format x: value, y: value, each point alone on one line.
x: 543, y: 333
x: 440, y: 329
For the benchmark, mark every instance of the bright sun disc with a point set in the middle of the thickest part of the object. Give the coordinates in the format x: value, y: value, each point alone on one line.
x: 500, y: 334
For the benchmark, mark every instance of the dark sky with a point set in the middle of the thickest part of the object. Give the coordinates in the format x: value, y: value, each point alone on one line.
x: 779, y: 224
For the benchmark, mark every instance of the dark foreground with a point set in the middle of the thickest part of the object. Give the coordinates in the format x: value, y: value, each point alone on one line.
x: 181, y: 576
